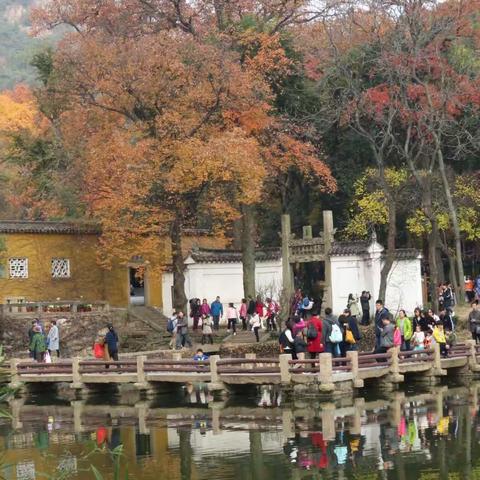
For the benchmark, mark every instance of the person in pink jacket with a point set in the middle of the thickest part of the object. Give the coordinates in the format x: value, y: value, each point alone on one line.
x: 243, y: 313
x: 205, y: 308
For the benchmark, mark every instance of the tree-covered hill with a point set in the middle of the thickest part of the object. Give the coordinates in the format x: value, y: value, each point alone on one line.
x: 16, y: 45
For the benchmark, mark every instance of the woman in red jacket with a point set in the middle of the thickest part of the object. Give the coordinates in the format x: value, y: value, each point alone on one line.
x: 314, y: 342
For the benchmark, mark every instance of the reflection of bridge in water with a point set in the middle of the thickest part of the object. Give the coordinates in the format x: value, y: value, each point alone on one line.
x: 221, y: 429
x: 326, y: 374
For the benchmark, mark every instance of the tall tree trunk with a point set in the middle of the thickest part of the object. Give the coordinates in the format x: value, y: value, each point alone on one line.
x: 432, y: 237
x: 179, y: 297
x: 456, y: 229
x: 390, y: 255
x: 248, y: 250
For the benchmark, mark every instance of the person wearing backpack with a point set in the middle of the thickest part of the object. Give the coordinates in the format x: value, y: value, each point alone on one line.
x: 315, y: 343
x: 351, y: 333
x: 172, y: 329
x: 332, y: 333
x: 286, y: 340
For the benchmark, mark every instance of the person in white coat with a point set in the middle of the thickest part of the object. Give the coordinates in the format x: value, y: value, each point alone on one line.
x: 53, y: 339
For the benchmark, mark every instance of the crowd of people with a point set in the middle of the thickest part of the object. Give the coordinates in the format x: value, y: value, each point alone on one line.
x: 43, y: 341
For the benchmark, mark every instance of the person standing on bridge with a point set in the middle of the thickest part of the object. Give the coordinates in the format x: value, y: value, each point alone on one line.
x: 380, y: 313
x: 37, y: 344
x: 111, y: 341
x: 182, y: 332
x: 315, y: 343
x: 53, y: 339
x: 216, y: 309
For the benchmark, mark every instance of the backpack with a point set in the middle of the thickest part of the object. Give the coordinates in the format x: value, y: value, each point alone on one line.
x: 336, y: 334
x: 397, y: 337
x: 170, y: 325
x: 312, y: 332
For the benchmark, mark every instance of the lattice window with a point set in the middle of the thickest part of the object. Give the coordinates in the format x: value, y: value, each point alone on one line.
x: 60, y: 268
x: 18, y: 267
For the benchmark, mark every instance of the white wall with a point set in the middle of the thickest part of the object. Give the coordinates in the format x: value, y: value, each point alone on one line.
x: 207, y: 280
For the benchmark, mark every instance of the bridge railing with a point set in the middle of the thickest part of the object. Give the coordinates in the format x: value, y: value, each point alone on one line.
x: 416, y: 356
x: 248, y: 366
x: 176, y: 366
x: 61, y: 306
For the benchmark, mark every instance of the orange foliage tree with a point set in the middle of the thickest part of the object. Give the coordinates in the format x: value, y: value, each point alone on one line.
x: 170, y: 110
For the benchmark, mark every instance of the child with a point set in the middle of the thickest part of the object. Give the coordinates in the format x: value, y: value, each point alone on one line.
x: 429, y: 340
x: 207, y: 329
x: 232, y: 316
x: 256, y: 323
x: 439, y: 336
x: 300, y: 345
x: 200, y: 356
x: 418, y: 338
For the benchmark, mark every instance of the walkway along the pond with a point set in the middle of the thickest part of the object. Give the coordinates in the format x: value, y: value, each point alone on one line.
x: 326, y: 374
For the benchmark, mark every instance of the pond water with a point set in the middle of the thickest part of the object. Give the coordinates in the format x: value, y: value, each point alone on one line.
x: 413, y: 434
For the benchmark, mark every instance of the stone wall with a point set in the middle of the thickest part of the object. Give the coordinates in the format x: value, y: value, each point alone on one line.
x: 77, y: 330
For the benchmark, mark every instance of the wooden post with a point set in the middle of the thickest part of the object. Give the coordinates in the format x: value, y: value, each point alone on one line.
x: 353, y: 356
x: 287, y: 276
x: 328, y: 237
x: 325, y: 375
x: 285, y: 376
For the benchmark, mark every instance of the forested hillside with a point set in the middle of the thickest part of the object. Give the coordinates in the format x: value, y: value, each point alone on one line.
x: 16, y: 45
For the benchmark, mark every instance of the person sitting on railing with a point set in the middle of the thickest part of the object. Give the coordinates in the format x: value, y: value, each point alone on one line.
x: 200, y: 356
x: 439, y: 336
x: 418, y: 338
x: 286, y: 340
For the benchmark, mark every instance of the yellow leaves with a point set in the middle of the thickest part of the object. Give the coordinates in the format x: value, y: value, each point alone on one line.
x: 370, y: 209
x: 418, y: 224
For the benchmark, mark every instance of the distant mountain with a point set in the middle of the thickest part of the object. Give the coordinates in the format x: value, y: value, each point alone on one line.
x: 16, y: 45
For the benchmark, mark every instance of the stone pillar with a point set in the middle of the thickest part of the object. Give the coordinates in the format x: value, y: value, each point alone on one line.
x: 472, y: 356
x: 307, y: 232
x: 77, y: 406
x: 215, y: 382
x: 325, y: 375
x: 395, y: 365
x: 15, y: 409
x: 216, y: 426
x: 142, y: 412
x: 359, y: 407
x: 353, y: 356
x: 250, y: 356
x: 76, y: 377
x: 285, y: 375
x: 328, y: 421
x: 437, y: 361
x: 141, y: 377
x: 14, y: 376
x: 287, y: 274
x: 176, y: 356
x: 288, y: 427
x: 328, y: 237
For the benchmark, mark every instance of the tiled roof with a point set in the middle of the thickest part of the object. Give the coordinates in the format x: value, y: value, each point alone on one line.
x: 349, y: 248
x: 207, y: 255
x: 406, y: 253
x: 27, y: 226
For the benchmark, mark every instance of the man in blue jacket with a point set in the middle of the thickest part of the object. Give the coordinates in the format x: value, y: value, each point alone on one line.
x: 216, y: 310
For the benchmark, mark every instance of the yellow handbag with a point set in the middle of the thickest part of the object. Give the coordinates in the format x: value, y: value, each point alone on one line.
x: 349, y: 337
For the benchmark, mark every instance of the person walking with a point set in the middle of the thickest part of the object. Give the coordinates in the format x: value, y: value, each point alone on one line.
x: 474, y: 321
x: 216, y: 309
x: 314, y: 335
x: 331, y: 333
x: 207, y: 333
x: 111, y: 340
x: 365, y: 298
x: 256, y: 323
x: 205, y: 309
x: 195, y: 312
x: 37, y: 344
x: 232, y: 317
x: 404, y: 324
x: 53, y: 339
x: 183, y: 338
x: 272, y: 310
x: 250, y: 308
x: 386, y: 336
x: 243, y: 313
x: 172, y: 329
x: 380, y: 313
x: 286, y: 340
x: 351, y: 333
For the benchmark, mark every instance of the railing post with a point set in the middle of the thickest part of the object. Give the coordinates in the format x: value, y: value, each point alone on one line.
x: 214, y: 378
x: 76, y: 376
x: 325, y: 375
x: 176, y: 356
x: 472, y: 355
x: 75, y: 307
x: 141, y: 378
x: 250, y: 356
x: 353, y: 356
x: 285, y: 376
x: 14, y: 376
x: 395, y: 365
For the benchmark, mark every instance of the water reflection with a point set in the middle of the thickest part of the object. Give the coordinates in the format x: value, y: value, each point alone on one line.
x: 191, y: 436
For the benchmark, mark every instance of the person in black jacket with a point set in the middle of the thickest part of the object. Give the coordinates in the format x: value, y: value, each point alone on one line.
x: 250, y: 309
x: 365, y: 298
x: 380, y: 314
